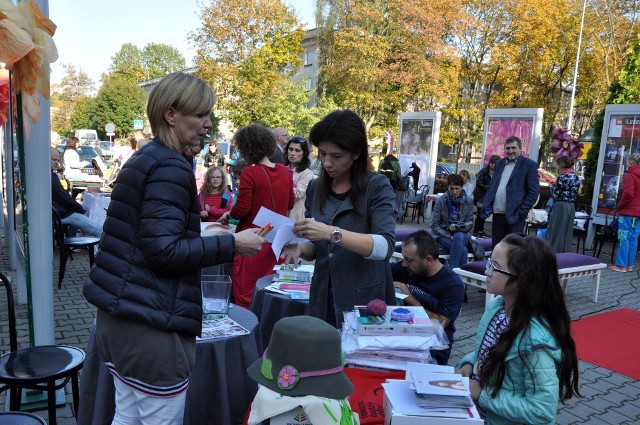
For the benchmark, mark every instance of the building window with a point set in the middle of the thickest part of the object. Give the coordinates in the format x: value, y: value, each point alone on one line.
x: 308, y: 58
x: 308, y: 84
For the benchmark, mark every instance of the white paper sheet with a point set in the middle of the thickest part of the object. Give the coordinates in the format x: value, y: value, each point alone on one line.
x: 282, y: 233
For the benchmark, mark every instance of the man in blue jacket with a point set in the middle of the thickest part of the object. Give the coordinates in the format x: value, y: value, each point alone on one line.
x: 430, y: 284
x: 514, y: 189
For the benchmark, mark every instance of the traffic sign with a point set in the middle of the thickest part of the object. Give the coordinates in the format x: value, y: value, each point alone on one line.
x: 138, y: 124
x: 110, y: 127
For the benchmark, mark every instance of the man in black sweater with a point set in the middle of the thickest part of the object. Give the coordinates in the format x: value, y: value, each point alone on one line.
x: 430, y: 284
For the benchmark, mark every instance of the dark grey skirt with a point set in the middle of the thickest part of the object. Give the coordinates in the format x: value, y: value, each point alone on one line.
x: 560, y: 226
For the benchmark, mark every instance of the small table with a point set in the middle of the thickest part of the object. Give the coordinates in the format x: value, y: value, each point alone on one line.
x: 220, y: 391
x: 270, y: 307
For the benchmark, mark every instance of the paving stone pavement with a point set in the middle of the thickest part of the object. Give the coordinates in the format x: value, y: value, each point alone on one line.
x: 609, y: 398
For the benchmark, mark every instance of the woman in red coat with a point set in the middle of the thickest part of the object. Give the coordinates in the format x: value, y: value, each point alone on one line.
x: 263, y: 184
x: 629, y: 217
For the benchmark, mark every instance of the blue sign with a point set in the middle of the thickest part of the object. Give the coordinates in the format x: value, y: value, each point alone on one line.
x: 138, y: 124
x: 110, y: 127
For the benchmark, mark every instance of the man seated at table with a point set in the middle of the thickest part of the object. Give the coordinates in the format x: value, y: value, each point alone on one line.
x: 70, y: 211
x: 430, y: 284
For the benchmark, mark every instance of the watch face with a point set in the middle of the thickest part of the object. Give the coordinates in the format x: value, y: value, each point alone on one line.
x: 336, y: 236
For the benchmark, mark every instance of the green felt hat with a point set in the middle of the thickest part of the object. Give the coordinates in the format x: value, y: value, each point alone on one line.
x: 304, y: 357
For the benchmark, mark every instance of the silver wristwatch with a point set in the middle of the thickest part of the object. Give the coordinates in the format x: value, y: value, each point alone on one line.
x: 336, y: 236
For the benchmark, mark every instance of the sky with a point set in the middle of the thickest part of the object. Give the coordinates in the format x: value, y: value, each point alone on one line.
x: 90, y: 33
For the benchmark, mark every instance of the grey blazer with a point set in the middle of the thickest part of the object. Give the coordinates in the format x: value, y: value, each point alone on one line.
x: 353, y: 279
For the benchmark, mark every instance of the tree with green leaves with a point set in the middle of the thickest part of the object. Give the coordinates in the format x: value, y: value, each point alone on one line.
x: 626, y: 89
x: 248, y: 50
x: 75, y: 86
x: 152, y: 61
x: 120, y: 101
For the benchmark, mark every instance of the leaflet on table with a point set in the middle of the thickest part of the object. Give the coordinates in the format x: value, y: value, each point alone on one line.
x: 441, y: 389
x: 282, y: 233
x: 220, y: 328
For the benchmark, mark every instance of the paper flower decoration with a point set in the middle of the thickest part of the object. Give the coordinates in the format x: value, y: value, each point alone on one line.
x: 4, y: 96
x: 27, y: 48
x: 565, y: 145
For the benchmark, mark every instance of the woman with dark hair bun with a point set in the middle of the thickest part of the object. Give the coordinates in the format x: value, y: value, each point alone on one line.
x: 524, y: 359
x: 350, y: 222
x: 297, y: 158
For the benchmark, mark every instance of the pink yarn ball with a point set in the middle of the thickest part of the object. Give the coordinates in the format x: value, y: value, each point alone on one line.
x: 376, y: 307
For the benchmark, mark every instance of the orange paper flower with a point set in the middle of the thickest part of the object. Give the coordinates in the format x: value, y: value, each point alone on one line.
x: 27, y: 49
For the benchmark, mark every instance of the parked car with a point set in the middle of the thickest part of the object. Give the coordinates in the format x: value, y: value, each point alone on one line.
x: 547, y: 176
x: 106, y: 149
x: 443, y: 170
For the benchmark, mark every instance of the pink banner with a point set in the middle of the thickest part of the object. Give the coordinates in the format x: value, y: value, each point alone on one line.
x: 500, y: 129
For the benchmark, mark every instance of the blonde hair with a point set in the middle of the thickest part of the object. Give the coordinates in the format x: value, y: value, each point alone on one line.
x: 185, y: 93
x: 465, y: 175
x: 635, y: 158
x: 207, y: 187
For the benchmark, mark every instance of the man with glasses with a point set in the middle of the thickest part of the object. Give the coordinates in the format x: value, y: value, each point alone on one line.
x: 517, y: 176
x: 430, y: 284
x: 281, y: 140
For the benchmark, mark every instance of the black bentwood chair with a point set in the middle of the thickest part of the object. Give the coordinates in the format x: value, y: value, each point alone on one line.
x: 20, y: 418
x: 37, y: 368
x: 68, y: 243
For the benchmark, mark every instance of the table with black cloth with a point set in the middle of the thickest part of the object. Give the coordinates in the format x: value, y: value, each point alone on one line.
x: 220, y: 391
x: 270, y: 307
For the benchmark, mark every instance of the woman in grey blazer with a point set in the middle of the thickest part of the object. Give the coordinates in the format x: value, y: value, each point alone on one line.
x: 350, y: 222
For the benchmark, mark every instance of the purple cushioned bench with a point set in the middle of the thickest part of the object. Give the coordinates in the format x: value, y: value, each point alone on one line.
x: 570, y: 266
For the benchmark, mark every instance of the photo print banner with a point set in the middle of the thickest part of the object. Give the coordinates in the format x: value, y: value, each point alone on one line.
x: 620, y: 138
x: 418, y: 143
x: 500, y: 124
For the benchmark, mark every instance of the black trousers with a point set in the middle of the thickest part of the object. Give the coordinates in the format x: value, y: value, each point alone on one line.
x: 500, y: 228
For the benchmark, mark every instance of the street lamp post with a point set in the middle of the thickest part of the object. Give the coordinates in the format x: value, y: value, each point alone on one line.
x: 575, y: 70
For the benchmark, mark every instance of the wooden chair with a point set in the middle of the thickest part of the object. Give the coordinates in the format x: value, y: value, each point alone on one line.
x: 38, y: 367
x: 68, y: 243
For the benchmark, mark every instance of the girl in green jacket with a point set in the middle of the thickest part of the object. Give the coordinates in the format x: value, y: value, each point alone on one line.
x: 524, y: 359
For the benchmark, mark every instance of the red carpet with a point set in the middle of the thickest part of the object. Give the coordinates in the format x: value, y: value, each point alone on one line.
x: 610, y: 340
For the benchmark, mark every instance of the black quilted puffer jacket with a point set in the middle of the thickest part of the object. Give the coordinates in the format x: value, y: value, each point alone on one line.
x: 151, y: 251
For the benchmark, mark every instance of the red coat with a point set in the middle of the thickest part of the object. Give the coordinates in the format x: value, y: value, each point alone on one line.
x: 274, y: 192
x: 629, y: 204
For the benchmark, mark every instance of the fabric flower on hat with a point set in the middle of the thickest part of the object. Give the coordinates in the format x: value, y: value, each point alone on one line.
x: 288, y: 377
x: 565, y: 145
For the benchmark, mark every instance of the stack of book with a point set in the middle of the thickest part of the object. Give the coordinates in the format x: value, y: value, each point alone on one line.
x: 292, y: 282
x: 287, y: 273
x: 384, y: 343
x: 430, y: 391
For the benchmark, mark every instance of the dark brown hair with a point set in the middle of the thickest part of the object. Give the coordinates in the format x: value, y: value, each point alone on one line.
x: 538, y: 295
x: 255, y: 142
